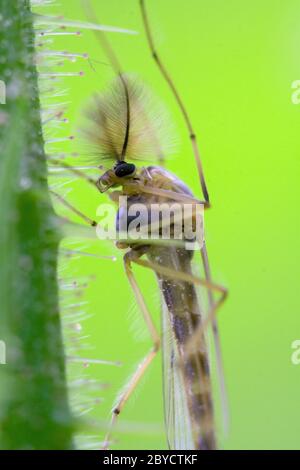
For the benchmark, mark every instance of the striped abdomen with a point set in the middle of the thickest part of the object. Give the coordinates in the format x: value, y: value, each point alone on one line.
x: 184, y: 317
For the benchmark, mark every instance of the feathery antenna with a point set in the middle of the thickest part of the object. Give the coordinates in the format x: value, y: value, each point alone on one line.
x: 130, y: 124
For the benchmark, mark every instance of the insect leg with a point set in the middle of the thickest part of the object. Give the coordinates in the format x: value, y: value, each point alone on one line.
x: 76, y: 172
x: 217, y: 342
x: 184, y: 199
x: 173, y: 195
x: 73, y: 209
x: 181, y: 276
x: 193, y: 139
x: 178, y: 99
x: 132, y: 256
x: 128, y: 259
x: 197, y: 337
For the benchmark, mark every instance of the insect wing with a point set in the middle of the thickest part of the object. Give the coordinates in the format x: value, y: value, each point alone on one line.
x: 177, y: 419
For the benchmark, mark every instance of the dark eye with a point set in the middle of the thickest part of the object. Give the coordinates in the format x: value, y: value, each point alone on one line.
x: 124, y: 169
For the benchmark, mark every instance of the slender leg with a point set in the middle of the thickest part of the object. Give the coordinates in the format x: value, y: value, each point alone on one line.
x: 134, y: 380
x: 132, y: 256
x: 198, y: 335
x: 217, y: 344
x: 193, y: 280
x: 178, y: 99
x: 181, y: 197
x: 76, y: 172
x: 80, y: 214
x: 194, y: 143
x: 180, y: 217
x: 101, y: 37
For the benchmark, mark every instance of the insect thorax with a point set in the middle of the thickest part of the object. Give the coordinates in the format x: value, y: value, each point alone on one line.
x: 144, y: 215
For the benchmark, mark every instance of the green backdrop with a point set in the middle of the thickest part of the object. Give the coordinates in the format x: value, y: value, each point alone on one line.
x: 234, y: 63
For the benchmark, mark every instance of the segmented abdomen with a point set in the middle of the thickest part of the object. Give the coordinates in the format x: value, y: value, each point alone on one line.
x: 184, y: 317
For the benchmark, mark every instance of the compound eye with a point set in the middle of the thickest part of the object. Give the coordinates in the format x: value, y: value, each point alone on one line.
x: 124, y: 169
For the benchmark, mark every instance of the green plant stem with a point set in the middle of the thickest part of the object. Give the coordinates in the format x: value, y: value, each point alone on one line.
x: 34, y: 411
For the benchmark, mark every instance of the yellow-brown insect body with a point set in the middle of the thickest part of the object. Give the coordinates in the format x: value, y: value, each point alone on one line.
x: 190, y: 421
x: 184, y: 316
x: 125, y: 125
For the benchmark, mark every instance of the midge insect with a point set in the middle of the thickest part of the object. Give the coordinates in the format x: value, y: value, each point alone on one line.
x: 121, y: 130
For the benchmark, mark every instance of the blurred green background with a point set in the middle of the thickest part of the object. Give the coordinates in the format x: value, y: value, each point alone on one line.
x: 234, y: 63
